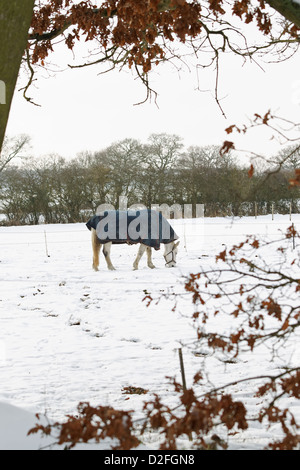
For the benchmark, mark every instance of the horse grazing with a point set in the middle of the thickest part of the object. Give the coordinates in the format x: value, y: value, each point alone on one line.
x: 146, y: 227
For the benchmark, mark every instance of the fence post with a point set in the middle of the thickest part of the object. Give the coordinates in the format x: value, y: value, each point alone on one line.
x: 183, y: 380
x: 182, y: 369
x: 46, y: 244
x: 293, y: 235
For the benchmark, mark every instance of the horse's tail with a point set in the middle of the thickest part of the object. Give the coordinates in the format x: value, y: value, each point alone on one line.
x: 96, y: 249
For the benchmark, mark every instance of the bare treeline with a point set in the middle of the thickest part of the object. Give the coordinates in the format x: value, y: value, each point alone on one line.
x: 160, y: 171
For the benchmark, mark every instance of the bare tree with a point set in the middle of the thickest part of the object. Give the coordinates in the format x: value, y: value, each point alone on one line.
x: 162, y: 153
x: 13, y: 148
x: 121, y: 160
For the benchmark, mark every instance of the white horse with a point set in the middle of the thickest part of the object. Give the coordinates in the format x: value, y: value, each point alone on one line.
x: 154, y: 230
x: 170, y: 253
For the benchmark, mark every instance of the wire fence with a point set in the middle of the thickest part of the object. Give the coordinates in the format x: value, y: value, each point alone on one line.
x: 47, y: 239
x: 45, y: 236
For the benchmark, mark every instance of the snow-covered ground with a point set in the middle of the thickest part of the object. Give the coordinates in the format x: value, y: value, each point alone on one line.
x: 69, y: 334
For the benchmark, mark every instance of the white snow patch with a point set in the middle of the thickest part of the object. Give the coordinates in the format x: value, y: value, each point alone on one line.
x: 69, y: 334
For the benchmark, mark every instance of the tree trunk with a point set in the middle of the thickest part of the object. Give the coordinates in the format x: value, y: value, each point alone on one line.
x: 287, y: 8
x: 15, y: 19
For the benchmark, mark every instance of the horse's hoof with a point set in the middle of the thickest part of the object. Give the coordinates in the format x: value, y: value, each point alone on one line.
x: 151, y: 266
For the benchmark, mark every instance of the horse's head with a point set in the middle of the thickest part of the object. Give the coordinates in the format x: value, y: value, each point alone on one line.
x: 170, y: 254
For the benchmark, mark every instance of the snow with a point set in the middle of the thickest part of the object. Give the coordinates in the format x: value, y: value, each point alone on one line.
x: 69, y: 334
x: 14, y: 427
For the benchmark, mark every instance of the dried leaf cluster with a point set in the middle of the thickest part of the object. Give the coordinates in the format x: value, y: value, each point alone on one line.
x: 92, y: 424
x: 141, y: 33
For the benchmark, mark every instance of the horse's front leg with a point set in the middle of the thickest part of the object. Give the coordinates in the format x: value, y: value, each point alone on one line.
x: 141, y: 251
x: 106, y: 252
x: 149, y: 258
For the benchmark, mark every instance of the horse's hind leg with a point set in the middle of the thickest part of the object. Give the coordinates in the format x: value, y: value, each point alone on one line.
x: 149, y: 257
x: 141, y: 251
x: 96, y: 245
x: 106, y: 252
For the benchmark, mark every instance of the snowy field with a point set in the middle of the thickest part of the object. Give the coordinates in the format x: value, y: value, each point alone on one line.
x: 69, y: 334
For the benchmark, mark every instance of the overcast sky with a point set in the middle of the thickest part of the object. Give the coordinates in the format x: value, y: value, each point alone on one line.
x: 83, y: 111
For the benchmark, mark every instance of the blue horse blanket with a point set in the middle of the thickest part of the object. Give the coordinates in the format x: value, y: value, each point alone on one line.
x: 133, y: 226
